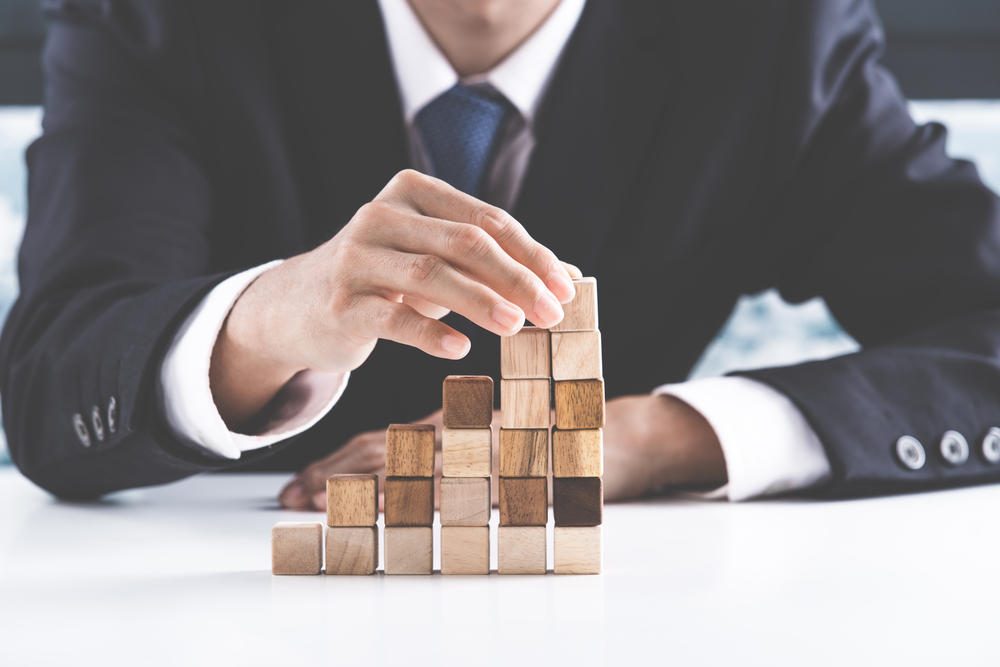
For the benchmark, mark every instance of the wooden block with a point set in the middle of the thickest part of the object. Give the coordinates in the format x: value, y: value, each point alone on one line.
x: 524, y: 452
x: 578, y: 501
x: 524, y: 501
x: 409, y: 450
x: 409, y: 550
x: 296, y: 548
x: 352, y: 500
x: 525, y: 403
x: 465, y: 501
x: 521, y: 550
x: 581, y: 312
x: 465, y: 550
x: 352, y: 550
x: 409, y: 501
x: 525, y: 354
x: 468, y: 401
x: 576, y: 355
x: 576, y: 453
x: 579, y: 404
x: 577, y: 550
x: 467, y: 452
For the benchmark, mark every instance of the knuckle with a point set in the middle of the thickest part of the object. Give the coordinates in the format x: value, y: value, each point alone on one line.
x: 424, y: 268
x: 503, y: 225
x: 469, y: 240
x: 407, y: 178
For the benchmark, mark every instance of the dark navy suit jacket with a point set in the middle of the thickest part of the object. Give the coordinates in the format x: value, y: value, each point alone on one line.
x: 688, y: 153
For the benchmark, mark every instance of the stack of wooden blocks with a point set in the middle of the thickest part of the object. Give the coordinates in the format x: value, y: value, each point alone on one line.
x: 565, y: 363
x: 467, y: 465
x: 409, y: 499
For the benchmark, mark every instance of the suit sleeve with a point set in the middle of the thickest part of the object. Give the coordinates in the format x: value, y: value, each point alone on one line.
x: 114, y: 257
x: 903, y: 243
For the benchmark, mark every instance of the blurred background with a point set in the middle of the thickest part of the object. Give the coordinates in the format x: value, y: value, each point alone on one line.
x: 945, y: 53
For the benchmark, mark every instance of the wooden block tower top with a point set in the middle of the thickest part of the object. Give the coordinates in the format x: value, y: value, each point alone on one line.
x: 409, y: 450
x: 581, y: 312
x: 468, y: 401
x: 352, y: 500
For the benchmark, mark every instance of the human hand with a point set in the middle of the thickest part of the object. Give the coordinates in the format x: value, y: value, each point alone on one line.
x: 418, y: 251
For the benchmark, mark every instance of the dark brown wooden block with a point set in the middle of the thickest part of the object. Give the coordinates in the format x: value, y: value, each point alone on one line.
x: 409, y: 501
x: 409, y: 450
x: 579, y: 404
x: 524, y: 452
x: 524, y: 501
x: 467, y: 401
x: 578, y: 501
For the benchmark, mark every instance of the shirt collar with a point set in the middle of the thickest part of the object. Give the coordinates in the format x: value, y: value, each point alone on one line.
x: 423, y: 72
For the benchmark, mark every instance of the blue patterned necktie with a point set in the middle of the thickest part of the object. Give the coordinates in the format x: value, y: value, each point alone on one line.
x: 460, y: 130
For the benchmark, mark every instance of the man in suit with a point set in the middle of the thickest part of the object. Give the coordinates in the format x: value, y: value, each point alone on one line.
x: 683, y: 153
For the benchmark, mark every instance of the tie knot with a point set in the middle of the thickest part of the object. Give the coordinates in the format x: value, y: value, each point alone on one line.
x: 460, y: 130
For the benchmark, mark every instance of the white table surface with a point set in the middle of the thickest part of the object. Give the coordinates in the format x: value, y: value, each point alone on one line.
x: 179, y: 575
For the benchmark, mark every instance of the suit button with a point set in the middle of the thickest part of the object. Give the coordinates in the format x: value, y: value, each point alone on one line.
x: 991, y: 445
x: 911, y: 452
x: 80, y: 427
x: 954, y: 448
x: 98, y: 422
x: 112, y: 415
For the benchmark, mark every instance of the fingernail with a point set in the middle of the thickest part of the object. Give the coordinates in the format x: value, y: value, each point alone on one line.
x: 561, y: 286
x: 507, y: 316
x: 454, y: 345
x: 547, y: 311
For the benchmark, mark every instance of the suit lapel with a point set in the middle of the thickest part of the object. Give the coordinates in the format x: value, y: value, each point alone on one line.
x: 593, y: 130
x: 348, y: 117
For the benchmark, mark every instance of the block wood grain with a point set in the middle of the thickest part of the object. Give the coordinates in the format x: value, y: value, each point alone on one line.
x: 579, y: 404
x: 526, y: 354
x: 525, y: 403
x: 409, y: 550
x: 524, y: 501
x: 467, y: 401
x: 409, y: 501
x: 578, y: 501
x: 581, y: 312
x: 577, y: 550
x: 577, y: 453
x: 352, y: 500
x: 352, y: 550
x: 465, y: 501
x: 576, y: 355
x: 524, y: 452
x: 465, y: 550
x: 467, y: 452
x: 521, y: 550
x: 409, y: 450
x: 296, y: 548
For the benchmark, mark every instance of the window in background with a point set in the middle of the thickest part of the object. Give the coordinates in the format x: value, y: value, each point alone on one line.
x: 762, y: 331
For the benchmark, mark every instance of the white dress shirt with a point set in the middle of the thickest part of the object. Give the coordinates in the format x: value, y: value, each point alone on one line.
x: 768, y: 445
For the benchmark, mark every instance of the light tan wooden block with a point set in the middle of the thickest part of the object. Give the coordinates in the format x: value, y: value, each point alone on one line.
x: 409, y: 550
x: 352, y: 550
x: 577, y: 550
x: 409, y: 450
x: 465, y: 550
x: 467, y: 401
x: 578, y: 453
x: 524, y: 501
x: 525, y: 403
x: 352, y: 500
x: 466, y: 501
x: 521, y: 550
x: 467, y: 452
x: 296, y: 548
x: 576, y: 355
x: 579, y: 404
x: 524, y: 452
x: 581, y: 312
x: 526, y: 354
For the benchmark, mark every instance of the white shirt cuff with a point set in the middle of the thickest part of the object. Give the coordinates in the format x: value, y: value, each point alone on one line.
x: 185, y: 393
x: 769, y: 446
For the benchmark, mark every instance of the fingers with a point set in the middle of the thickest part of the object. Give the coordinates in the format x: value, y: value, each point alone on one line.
x: 365, y: 453
x: 377, y: 317
x: 437, y: 199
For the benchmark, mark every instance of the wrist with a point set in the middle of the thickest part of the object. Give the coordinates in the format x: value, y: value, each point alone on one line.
x: 684, y: 447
